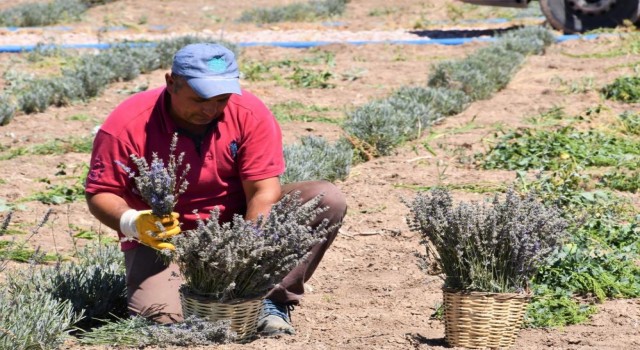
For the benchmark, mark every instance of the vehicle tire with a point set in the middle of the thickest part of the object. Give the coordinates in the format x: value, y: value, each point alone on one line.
x: 578, y: 16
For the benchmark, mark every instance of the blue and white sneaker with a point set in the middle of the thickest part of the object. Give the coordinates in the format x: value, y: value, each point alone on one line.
x: 275, y: 319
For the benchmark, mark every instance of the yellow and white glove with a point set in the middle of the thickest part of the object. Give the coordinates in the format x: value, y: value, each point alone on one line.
x: 149, y: 229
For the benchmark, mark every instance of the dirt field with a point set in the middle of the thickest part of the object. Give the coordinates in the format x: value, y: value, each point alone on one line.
x: 368, y: 293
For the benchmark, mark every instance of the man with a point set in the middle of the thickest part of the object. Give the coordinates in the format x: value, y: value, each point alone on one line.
x: 233, y: 145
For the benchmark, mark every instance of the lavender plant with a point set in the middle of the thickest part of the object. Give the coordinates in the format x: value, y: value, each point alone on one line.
x: 495, y: 247
x: 244, y: 259
x: 160, y: 186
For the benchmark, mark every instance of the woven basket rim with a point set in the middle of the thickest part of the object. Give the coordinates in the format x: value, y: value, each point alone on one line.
x: 188, y: 293
x: 523, y: 295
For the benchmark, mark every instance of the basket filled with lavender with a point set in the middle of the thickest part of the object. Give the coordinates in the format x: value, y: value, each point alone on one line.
x: 487, y: 254
x: 229, y: 267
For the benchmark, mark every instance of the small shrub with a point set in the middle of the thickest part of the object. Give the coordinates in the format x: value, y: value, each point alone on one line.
x: 7, y: 109
x: 95, y: 286
x: 479, y: 75
x: 315, y: 159
x: 631, y: 122
x: 384, y: 124
x: 42, y: 14
x: 311, y: 79
x: 489, y: 69
x: 623, y: 89
x: 33, y: 319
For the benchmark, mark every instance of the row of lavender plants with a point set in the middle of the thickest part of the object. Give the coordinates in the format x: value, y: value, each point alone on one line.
x: 94, y: 285
x: 87, y: 77
x: 379, y: 127
x: 42, y: 14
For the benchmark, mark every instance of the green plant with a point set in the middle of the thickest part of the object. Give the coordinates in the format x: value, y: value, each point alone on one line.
x: 489, y: 69
x: 295, y: 111
x: 623, y: 89
x: 33, y: 319
x: 630, y: 122
x: 549, y: 149
x: 621, y: 181
x: 380, y: 126
x: 311, y: 79
x: 62, y: 193
x: 296, y: 12
x: 580, y: 86
x: 315, y: 159
x: 597, y: 261
x: 7, y: 109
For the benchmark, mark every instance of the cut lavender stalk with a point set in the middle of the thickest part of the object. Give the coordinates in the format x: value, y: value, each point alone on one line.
x: 159, y: 186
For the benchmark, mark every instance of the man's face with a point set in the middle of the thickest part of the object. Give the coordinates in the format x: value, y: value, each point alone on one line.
x: 190, y: 108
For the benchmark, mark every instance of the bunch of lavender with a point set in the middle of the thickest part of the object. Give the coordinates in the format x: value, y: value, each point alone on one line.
x: 495, y: 247
x: 140, y: 332
x: 160, y: 186
x: 244, y: 259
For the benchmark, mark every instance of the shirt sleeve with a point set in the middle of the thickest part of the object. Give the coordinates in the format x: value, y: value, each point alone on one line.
x: 105, y: 175
x: 260, y: 153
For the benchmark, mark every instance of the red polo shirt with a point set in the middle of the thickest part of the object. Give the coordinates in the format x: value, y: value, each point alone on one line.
x: 244, y: 144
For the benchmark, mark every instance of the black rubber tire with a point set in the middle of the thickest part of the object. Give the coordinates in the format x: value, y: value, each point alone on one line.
x: 562, y: 15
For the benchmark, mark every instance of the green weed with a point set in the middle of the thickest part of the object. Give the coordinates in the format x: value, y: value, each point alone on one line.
x: 383, y: 11
x: 580, y: 86
x: 65, y: 192
x: 294, y: 111
x: 621, y: 180
x: 623, y: 89
x: 481, y: 187
x: 296, y: 12
x: 75, y: 144
x: 630, y: 122
x: 311, y: 79
x: 550, y: 149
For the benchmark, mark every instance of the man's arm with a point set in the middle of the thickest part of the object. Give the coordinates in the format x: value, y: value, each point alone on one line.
x: 107, y: 207
x: 261, y: 195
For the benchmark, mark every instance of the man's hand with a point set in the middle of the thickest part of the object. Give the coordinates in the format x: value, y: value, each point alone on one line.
x: 149, y: 229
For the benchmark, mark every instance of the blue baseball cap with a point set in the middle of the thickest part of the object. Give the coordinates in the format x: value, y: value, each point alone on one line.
x: 210, y: 69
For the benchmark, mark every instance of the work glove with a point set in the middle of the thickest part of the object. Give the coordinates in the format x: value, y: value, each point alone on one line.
x: 149, y: 229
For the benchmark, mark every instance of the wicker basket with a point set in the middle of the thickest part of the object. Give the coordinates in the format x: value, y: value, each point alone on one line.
x: 483, y: 320
x: 243, y: 313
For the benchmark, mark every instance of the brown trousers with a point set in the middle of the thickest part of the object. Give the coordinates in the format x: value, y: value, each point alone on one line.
x: 152, y: 285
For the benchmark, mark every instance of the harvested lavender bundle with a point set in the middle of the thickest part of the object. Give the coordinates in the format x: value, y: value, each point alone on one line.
x: 244, y: 259
x: 160, y: 186
x: 485, y: 247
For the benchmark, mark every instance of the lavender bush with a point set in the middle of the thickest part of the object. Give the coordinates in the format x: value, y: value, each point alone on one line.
x: 244, y: 259
x: 495, y: 247
x: 160, y: 186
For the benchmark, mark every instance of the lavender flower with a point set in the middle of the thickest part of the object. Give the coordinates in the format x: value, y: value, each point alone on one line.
x: 494, y: 247
x: 159, y: 186
x: 244, y: 259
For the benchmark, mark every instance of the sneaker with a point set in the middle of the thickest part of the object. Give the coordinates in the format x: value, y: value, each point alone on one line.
x: 275, y: 319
